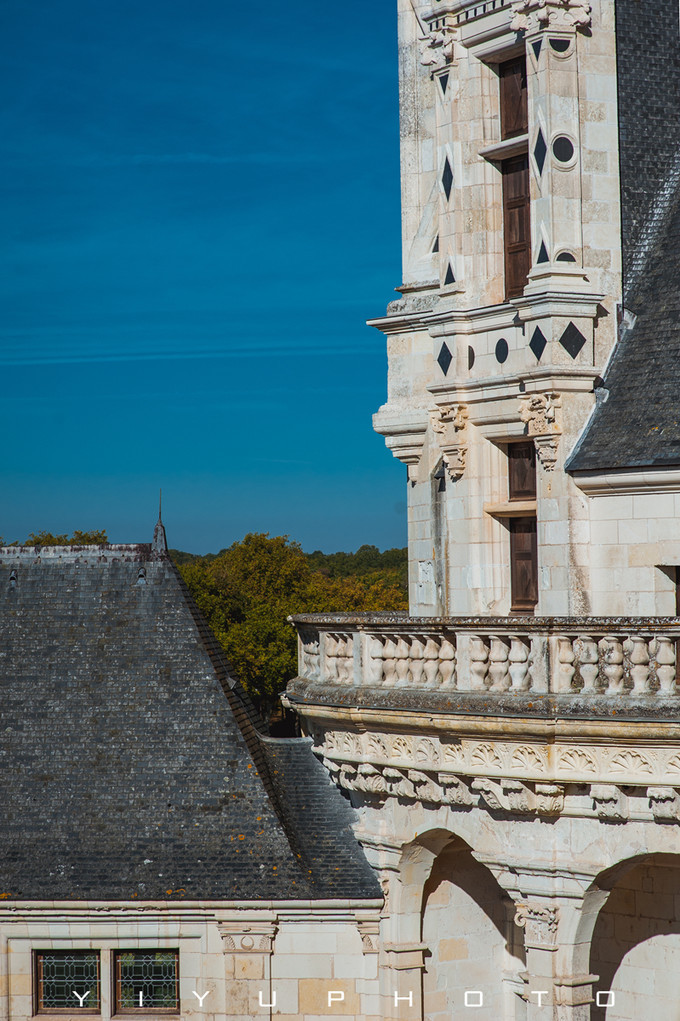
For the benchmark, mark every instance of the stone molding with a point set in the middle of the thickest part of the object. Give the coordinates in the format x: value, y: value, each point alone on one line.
x: 533, y: 16
x: 449, y: 422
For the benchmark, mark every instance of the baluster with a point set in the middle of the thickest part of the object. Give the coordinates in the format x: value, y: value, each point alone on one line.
x: 665, y: 665
x: 341, y: 660
x: 447, y: 663
x: 639, y: 660
x: 589, y: 663
x: 565, y: 659
x: 479, y: 663
x: 431, y: 662
x: 417, y: 663
x: 373, y: 673
x: 330, y: 650
x: 612, y: 651
x: 401, y: 656
x: 498, y: 664
x: 390, y: 663
x: 519, y: 663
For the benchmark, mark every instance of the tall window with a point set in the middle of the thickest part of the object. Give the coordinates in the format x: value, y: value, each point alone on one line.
x: 515, y: 170
x: 523, y: 538
x: 67, y: 981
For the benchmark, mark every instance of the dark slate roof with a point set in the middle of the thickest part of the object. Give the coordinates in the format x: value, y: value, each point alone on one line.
x: 132, y: 763
x: 636, y: 422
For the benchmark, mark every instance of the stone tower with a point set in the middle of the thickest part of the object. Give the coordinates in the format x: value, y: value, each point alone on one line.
x: 513, y: 746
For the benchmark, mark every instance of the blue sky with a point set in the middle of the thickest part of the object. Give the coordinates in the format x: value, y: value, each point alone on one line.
x: 201, y: 208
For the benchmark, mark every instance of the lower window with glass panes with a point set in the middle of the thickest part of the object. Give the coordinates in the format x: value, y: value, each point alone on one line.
x: 144, y: 981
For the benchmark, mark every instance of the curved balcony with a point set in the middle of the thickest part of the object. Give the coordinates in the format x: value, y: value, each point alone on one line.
x: 587, y: 666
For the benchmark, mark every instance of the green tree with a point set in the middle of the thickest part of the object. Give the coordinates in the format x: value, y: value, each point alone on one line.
x: 94, y: 538
x: 248, y: 591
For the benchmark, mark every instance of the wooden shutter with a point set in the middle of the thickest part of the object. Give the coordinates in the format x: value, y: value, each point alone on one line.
x: 513, y: 90
x: 523, y: 565
x: 522, y: 471
x: 516, y: 226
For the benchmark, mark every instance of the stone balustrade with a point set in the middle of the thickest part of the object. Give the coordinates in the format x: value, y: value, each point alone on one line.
x: 568, y: 655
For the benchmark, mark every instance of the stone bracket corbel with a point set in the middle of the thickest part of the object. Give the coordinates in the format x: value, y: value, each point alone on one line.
x: 251, y: 937
x: 449, y: 423
x: 531, y: 16
x: 438, y: 41
x: 540, y: 413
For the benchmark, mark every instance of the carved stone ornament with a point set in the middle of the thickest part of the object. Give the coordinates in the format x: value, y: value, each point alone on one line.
x: 664, y: 803
x: 546, y: 451
x: 369, y: 932
x: 252, y: 938
x: 535, y: 15
x: 539, y: 413
x: 609, y: 801
x: 549, y: 798
x: 449, y: 422
x: 539, y: 922
x: 438, y: 47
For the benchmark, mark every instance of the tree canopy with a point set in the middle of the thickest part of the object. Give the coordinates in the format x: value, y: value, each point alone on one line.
x: 248, y: 591
x: 94, y: 538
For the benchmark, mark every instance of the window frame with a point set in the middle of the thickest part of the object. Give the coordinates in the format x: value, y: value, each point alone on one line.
x: 116, y: 1009
x: 38, y: 1008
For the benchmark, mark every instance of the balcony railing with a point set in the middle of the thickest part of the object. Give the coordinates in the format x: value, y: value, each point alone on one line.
x: 587, y: 656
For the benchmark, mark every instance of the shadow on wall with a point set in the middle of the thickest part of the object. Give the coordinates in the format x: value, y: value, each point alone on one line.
x: 468, y: 925
x: 635, y: 948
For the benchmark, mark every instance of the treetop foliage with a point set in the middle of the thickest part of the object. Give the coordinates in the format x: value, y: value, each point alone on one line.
x: 248, y: 591
x: 95, y: 538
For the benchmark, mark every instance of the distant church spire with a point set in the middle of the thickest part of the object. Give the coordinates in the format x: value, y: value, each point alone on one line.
x: 159, y: 544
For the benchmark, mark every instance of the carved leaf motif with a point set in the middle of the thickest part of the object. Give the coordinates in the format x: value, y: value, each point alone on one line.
x: 577, y: 760
x: 484, y: 756
x: 527, y: 758
x: 630, y: 762
x: 376, y: 747
x: 426, y: 751
x: 674, y: 764
x: 454, y: 753
x: 401, y: 748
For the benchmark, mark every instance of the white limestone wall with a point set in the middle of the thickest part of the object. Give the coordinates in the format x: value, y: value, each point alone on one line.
x: 250, y: 963
x: 634, y: 536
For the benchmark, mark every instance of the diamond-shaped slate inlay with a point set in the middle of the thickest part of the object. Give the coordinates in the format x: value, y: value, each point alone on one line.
x: 542, y: 253
x: 540, y: 151
x: 537, y: 343
x: 572, y: 340
x: 536, y: 47
x: 435, y: 246
x: 444, y: 81
x: 444, y: 358
x: 449, y: 278
x: 447, y: 179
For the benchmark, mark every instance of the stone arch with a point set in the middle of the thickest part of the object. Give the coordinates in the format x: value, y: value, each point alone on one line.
x: 635, y: 943
x: 467, y: 923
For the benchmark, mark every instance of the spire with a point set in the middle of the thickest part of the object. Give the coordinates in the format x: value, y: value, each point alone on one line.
x: 159, y: 544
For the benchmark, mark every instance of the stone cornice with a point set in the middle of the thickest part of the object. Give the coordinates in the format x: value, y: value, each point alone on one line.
x: 644, y: 482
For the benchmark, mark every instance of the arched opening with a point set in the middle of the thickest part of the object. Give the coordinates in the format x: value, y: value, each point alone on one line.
x: 473, y: 943
x: 635, y: 948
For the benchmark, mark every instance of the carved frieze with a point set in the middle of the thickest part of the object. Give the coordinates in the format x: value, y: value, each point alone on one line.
x: 505, y: 776
x: 532, y: 16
